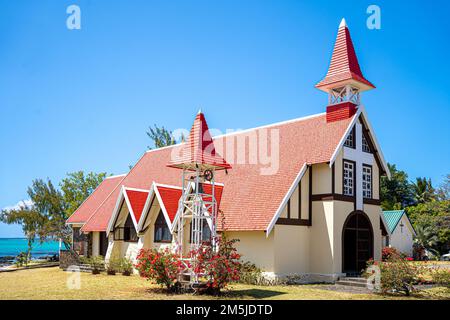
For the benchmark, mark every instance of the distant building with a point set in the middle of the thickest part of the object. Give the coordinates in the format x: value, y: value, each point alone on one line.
x: 400, y: 231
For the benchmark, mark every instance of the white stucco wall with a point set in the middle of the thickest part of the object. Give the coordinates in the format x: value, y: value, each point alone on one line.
x: 402, y: 238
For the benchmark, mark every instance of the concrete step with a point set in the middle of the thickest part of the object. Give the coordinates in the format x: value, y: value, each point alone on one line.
x: 354, y: 279
x: 351, y: 283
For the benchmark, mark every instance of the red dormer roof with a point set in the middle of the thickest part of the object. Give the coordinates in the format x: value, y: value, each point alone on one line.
x: 198, y: 149
x: 137, y: 200
x: 344, y: 67
x: 169, y: 198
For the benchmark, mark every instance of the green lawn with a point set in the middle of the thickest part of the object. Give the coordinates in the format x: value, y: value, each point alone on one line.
x: 51, y: 283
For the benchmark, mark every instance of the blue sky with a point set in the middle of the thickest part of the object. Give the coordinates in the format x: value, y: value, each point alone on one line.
x: 83, y: 99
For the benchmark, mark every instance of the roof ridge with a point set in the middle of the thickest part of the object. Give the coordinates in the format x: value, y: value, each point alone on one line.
x: 247, y: 130
x: 116, y: 176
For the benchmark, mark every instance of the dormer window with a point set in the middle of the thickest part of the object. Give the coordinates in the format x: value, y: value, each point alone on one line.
x: 350, y: 142
x: 162, y: 231
x: 126, y: 233
x: 365, y: 144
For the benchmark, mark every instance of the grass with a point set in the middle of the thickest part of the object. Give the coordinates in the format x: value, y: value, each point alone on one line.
x: 51, y: 283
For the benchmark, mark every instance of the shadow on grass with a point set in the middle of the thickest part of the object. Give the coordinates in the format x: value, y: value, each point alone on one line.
x: 254, y: 293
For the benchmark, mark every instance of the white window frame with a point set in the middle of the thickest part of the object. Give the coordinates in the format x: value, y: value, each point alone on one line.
x: 365, y: 145
x: 348, y: 178
x: 367, y: 181
x: 350, y: 141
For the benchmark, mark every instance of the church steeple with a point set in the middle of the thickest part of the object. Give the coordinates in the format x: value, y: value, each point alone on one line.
x: 344, y: 80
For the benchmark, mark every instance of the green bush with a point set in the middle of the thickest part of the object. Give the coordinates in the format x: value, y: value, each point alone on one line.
x: 126, y: 266
x: 441, y: 277
x: 112, y: 266
x: 22, y: 259
x: 96, y: 263
x: 250, y: 274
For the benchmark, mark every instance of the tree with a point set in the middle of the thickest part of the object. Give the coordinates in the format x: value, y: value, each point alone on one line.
x: 436, y: 216
x: 32, y: 223
x: 423, y: 190
x: 443, y: 192
x: 161, y: 137
x: 77, y: 187
x: 46, y: 217
x: 396, y: 193
x: 425, y: 238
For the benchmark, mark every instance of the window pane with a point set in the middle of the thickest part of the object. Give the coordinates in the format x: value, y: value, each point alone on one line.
x: 367, y: 182
x: 348, y: 178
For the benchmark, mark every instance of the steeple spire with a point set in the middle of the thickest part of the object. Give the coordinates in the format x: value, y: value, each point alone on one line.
x: 198, y: 151
x: 344, y: 80
x: 344, y: 67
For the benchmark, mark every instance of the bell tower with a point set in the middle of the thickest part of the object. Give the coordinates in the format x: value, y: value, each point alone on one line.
x: 344, y: 80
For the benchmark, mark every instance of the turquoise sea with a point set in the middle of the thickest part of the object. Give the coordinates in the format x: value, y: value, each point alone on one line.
x: 14, y: 246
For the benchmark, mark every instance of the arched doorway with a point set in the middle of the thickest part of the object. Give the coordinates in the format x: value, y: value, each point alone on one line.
x: 357, y: 242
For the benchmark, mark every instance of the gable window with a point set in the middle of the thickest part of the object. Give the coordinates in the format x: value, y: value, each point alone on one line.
x: 349, y: 178
x: 350, y: 142
x: 365, y: 144
x: 129, y: 231
x: 162, y: 231
x: 367, y: 181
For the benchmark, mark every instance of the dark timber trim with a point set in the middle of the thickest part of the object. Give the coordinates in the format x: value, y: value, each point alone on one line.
x: 366, y: 132
x: 330, y: 196
x: 333, y: 178
x: 148, y: 213
x: 293, y: 222
x: 310, y: 196
x: 289, y: 209
x: 375, y: 202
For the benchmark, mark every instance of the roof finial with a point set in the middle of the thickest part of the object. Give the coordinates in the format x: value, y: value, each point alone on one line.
x: 199, y: 111
x: 343, y: 23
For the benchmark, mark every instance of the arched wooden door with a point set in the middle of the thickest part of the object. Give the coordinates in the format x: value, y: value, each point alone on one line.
x: 357, y: 242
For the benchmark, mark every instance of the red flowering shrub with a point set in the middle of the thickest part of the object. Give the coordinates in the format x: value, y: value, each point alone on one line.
x: 388, y: 252
x: 409, y: 259
x: 398, y: 275
x: 162, y: 267
x: 221, y: 267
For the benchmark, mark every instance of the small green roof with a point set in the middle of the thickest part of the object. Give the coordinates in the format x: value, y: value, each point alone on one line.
x: 392, y: 218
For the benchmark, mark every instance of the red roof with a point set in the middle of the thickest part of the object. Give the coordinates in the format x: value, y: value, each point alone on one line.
x: 169, y: 197
x: 100, y: 194
x: 198, y: 149
x: 137, y: 201
x: 249, y: 199
x: 344, y: 64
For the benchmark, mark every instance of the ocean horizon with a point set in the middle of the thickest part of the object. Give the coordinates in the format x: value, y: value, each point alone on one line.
x: 11, y: 247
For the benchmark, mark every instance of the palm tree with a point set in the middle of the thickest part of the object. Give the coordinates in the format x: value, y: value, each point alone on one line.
x: 425, y: 238
x: 423, y: 190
